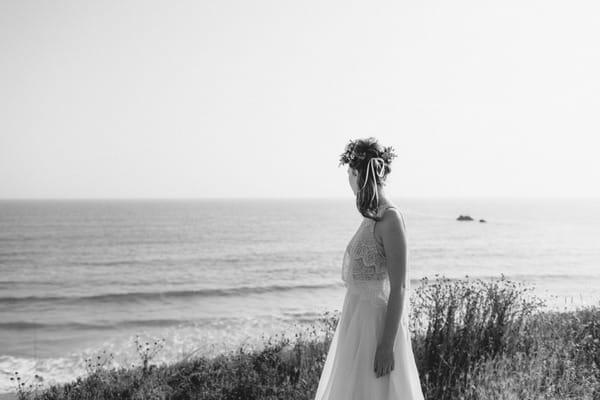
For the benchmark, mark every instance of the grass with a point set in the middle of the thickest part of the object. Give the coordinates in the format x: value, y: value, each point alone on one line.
x: 472, y: 339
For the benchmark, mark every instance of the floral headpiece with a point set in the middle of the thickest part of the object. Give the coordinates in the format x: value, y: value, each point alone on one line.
x: 350, y: 154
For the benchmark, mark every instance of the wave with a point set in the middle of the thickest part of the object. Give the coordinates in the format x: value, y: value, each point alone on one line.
x: 157, y: 261
x: 24, y: 325
x: 308, y: 316
x: 129, y: 297
x: 146, y: 296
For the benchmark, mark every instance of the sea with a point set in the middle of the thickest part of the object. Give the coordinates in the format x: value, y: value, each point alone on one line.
x: 81, y: 279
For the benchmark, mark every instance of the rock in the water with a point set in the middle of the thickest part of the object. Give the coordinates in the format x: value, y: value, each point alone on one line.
x: 464, y: 218
x: 482, y: 220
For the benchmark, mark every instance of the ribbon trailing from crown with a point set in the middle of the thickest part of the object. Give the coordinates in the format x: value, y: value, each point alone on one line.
x: 380, y: 170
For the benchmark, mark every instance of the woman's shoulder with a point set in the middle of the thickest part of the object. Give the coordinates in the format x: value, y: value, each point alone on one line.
x: 390, y: 210
x: 391, y: 219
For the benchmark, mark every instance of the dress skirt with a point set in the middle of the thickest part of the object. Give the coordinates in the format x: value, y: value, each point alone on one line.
x: 348, y: 373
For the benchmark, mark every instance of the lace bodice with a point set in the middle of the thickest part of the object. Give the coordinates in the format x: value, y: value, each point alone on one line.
x: 364, y: 267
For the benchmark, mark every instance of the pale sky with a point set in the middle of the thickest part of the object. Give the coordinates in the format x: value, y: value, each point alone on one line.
x: 255, y: 98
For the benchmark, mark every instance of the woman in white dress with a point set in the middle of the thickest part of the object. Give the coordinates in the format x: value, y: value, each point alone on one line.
x: 370, y: 356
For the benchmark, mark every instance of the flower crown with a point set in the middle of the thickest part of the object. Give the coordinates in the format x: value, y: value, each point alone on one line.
x: 350, y: 154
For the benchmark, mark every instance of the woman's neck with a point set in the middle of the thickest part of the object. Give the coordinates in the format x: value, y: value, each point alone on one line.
x: 383, y: 200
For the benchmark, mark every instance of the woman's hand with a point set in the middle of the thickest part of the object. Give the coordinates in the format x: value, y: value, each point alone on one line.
x: 384, y: 360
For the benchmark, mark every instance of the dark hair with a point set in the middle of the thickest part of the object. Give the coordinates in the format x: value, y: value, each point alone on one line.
x: 358, y: 155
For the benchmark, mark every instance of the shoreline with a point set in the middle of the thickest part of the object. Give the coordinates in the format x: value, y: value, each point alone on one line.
x: 560, y: 304
x: 546, y: 328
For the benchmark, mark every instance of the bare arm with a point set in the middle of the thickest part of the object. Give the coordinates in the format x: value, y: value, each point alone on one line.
x: 394, y: 242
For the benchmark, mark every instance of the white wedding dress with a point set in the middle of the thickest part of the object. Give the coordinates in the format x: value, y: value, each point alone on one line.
x: 348, y: 373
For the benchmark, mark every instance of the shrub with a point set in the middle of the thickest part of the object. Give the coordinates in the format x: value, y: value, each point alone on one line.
x: 459, y: 323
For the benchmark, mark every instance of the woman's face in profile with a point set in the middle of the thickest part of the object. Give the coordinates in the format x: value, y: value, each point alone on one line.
x: 353, y: 179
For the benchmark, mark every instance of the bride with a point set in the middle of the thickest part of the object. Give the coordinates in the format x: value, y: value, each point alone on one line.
x: 370, y: 356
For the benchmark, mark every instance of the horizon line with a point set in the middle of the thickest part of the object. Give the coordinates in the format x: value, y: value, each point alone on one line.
x: 591, y: 197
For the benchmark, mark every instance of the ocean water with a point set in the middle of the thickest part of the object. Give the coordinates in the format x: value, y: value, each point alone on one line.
x: 78, y: 277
